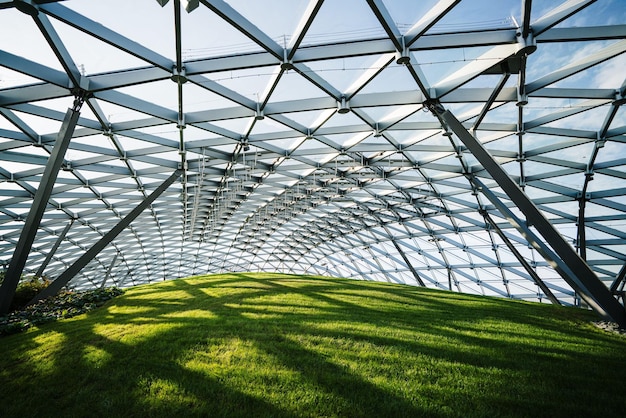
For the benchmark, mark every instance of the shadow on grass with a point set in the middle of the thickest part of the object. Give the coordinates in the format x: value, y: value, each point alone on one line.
x: 291, y: 346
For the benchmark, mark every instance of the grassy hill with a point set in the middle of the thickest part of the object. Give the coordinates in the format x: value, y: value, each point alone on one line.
x: 276, y: 345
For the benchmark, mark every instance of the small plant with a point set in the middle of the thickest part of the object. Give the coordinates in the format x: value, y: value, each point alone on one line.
x: 63, y: 305
x: 27, y: 289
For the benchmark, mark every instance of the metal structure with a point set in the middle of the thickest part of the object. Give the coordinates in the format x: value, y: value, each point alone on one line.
x: 470, y: 145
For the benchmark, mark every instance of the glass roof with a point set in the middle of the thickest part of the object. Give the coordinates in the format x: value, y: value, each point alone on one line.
x: 306, y: 141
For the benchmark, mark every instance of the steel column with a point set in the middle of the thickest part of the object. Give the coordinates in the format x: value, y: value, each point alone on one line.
x: 83, y: 260
x: 54, y: 248
x: 404, y: 257
x: 40, y: 201
x: 108, y: 274
x: 521, y: 259
x: 582, y: 279
x: 546, y: 252
x: 581, y: 235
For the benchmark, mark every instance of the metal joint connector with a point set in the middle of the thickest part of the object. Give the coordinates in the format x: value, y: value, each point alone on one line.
x: 434, y: 106
x: 80, y: 96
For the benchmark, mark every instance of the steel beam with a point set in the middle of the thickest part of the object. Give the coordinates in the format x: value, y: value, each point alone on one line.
x: 531, y: 238
x: 619, y: 279
x: 83, y: 260
x: 558, y: 14
x: 492, y: 98
x: 404, y: 257
x: 59, y: 49
x: 582, y: 278
x: 40, y: 201
x: 526, y: 7
x: 243, y: 25
x: 303, y: 26
x: 407, y: 262
x: 581, y: 234
x: 434, y: 15
x: 578, y: 66
x: 388, y: 24
x: 108, y: 273
x: 54, y: 248
x: 521, y: 259
x: 104, y: 34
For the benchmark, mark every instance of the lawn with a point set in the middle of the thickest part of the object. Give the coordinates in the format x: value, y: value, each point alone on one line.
x: 275, y: 345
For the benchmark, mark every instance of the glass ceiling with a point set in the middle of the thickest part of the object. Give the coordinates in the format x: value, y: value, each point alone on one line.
x: 306, y: 143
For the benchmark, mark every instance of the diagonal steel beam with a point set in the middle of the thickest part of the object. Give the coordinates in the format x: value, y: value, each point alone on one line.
x: 405, y: 258
x: 104, y: 34
x: 108, y: 273
x: 582, y: 278
x: 558, y: 14
x: 436, y: 13
x: 59, y: 49
x: 524, y: 229
x: 387, y: 22
x: 83, y: 260
x: 40, y: 201
x: 20, y: 124
x: 619, y: 279
x: 243, y: 25
x: 578, y: 66
x: 303, y: 26
x: 54, y: 248
x: 521, y: 259
x: 491, y: 100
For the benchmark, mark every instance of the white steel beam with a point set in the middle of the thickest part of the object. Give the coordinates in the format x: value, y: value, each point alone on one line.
x: 106, y: 35
x: 226, y: 12
x: 475, y: 68
x: 436, y: 13
x: 388, y: 24
x: 575, y: 67
x: 558, y: 14
x: 303, y: 26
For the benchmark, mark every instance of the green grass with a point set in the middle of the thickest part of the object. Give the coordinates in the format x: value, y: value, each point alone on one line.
x: 255, y: 345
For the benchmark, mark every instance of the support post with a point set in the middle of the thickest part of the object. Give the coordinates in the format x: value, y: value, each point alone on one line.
x: 54, y: 248
x: 546, y: 291
x: 40, y: 201
x: 543, y: 249
x: 582, y: 278
x: 83, y: 260
x: 108, y: 274
x: 581, y: 236
x: 405, y: 258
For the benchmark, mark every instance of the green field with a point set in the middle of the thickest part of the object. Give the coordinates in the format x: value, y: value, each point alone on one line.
x: 274, y: 345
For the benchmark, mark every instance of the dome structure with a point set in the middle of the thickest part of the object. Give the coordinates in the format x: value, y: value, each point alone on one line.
x: 473, y: 146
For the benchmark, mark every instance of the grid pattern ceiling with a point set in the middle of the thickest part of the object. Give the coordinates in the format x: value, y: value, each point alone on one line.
x: 305, y: 142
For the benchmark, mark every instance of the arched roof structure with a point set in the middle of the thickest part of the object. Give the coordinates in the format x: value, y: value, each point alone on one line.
x: 351, y: 138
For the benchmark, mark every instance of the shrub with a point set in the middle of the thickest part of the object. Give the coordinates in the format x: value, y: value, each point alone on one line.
x: 27, y: 289
x: 63, y: 305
